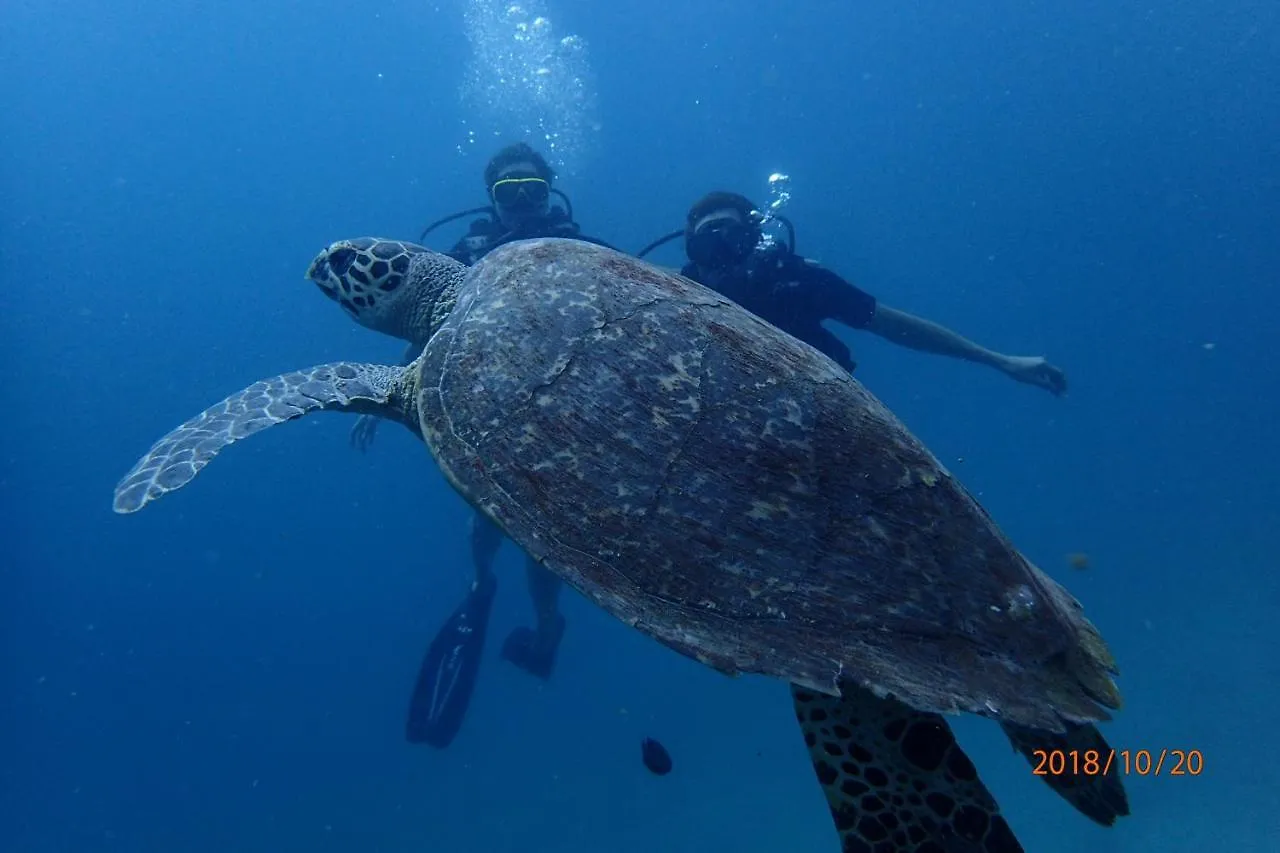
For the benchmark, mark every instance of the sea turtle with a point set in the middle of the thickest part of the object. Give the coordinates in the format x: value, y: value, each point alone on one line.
x: 727, y: 490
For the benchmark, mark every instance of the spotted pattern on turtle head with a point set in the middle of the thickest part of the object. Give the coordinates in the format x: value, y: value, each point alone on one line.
x: 397, y: 288
x: 357, y: 274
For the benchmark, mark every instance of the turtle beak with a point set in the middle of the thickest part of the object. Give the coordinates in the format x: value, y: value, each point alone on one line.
x: 316, y: 265
x: 321, y: 272
x: 318, y: 269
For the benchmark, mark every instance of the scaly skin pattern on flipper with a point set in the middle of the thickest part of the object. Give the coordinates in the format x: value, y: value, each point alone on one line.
x: 895, y: 778
x: 733, y: 493
x: 397, y: 288
x: 174, y: 460
x: 1099, y: 797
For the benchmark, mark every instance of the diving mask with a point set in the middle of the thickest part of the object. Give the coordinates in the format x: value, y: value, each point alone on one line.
x: 520, y: 192
x: 721, y: 242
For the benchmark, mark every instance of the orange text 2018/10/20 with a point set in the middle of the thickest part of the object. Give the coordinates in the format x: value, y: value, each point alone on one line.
x: 1128, y: 762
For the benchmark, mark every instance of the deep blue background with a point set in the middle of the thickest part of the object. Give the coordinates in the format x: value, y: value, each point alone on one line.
x: 228, y: 670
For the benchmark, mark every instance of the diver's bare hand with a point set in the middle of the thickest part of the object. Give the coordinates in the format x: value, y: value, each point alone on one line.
x: 1034, y: 370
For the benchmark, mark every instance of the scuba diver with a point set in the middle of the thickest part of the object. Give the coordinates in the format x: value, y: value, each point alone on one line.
x: 518, y: 181
x: 723, y: 240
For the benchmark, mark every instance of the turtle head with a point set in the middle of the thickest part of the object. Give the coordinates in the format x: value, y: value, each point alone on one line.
x: 385, y: 285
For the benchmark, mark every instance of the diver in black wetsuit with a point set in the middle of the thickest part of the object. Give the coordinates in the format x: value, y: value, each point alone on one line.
x: 722, y: 238
x: 518, y: 181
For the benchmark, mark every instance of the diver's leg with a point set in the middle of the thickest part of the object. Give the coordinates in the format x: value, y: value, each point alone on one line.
x: 544, y: 592
x: 448, y: 673
x: 486, y: 539
x: 535, y: 650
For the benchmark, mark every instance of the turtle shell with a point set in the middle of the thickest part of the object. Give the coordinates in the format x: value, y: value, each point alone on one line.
x: 728, y: 490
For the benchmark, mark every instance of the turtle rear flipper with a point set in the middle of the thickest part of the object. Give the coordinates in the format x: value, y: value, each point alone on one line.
x: 1100, y: 797
x: 896, y: 776
x: 174, y: 460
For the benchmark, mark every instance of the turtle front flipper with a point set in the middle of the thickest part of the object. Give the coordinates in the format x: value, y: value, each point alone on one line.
x: 1100, y: 797
x: 174, y: 460
x: 895, y: 778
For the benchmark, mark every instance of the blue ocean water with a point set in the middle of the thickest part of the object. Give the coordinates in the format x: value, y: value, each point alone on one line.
x: 228, y: 670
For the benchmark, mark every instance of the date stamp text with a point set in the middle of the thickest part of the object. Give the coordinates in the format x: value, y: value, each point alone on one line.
x: 1126, y: 762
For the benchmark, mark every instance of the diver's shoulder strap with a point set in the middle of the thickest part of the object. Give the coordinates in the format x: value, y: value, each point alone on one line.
x: 483, y: 235
x: 774, y: 263
x: 485, y: 226
x: 560, y: 224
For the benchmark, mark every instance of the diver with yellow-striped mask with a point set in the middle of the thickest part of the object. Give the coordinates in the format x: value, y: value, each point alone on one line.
x: 519, y: 183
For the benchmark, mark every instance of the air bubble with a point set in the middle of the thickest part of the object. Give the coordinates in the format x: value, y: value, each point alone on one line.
x: 779, y: 196
x: 524, y: 81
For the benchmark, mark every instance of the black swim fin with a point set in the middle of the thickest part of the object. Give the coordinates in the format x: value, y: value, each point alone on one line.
x: 448, y: 674
x: 536, y: 655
